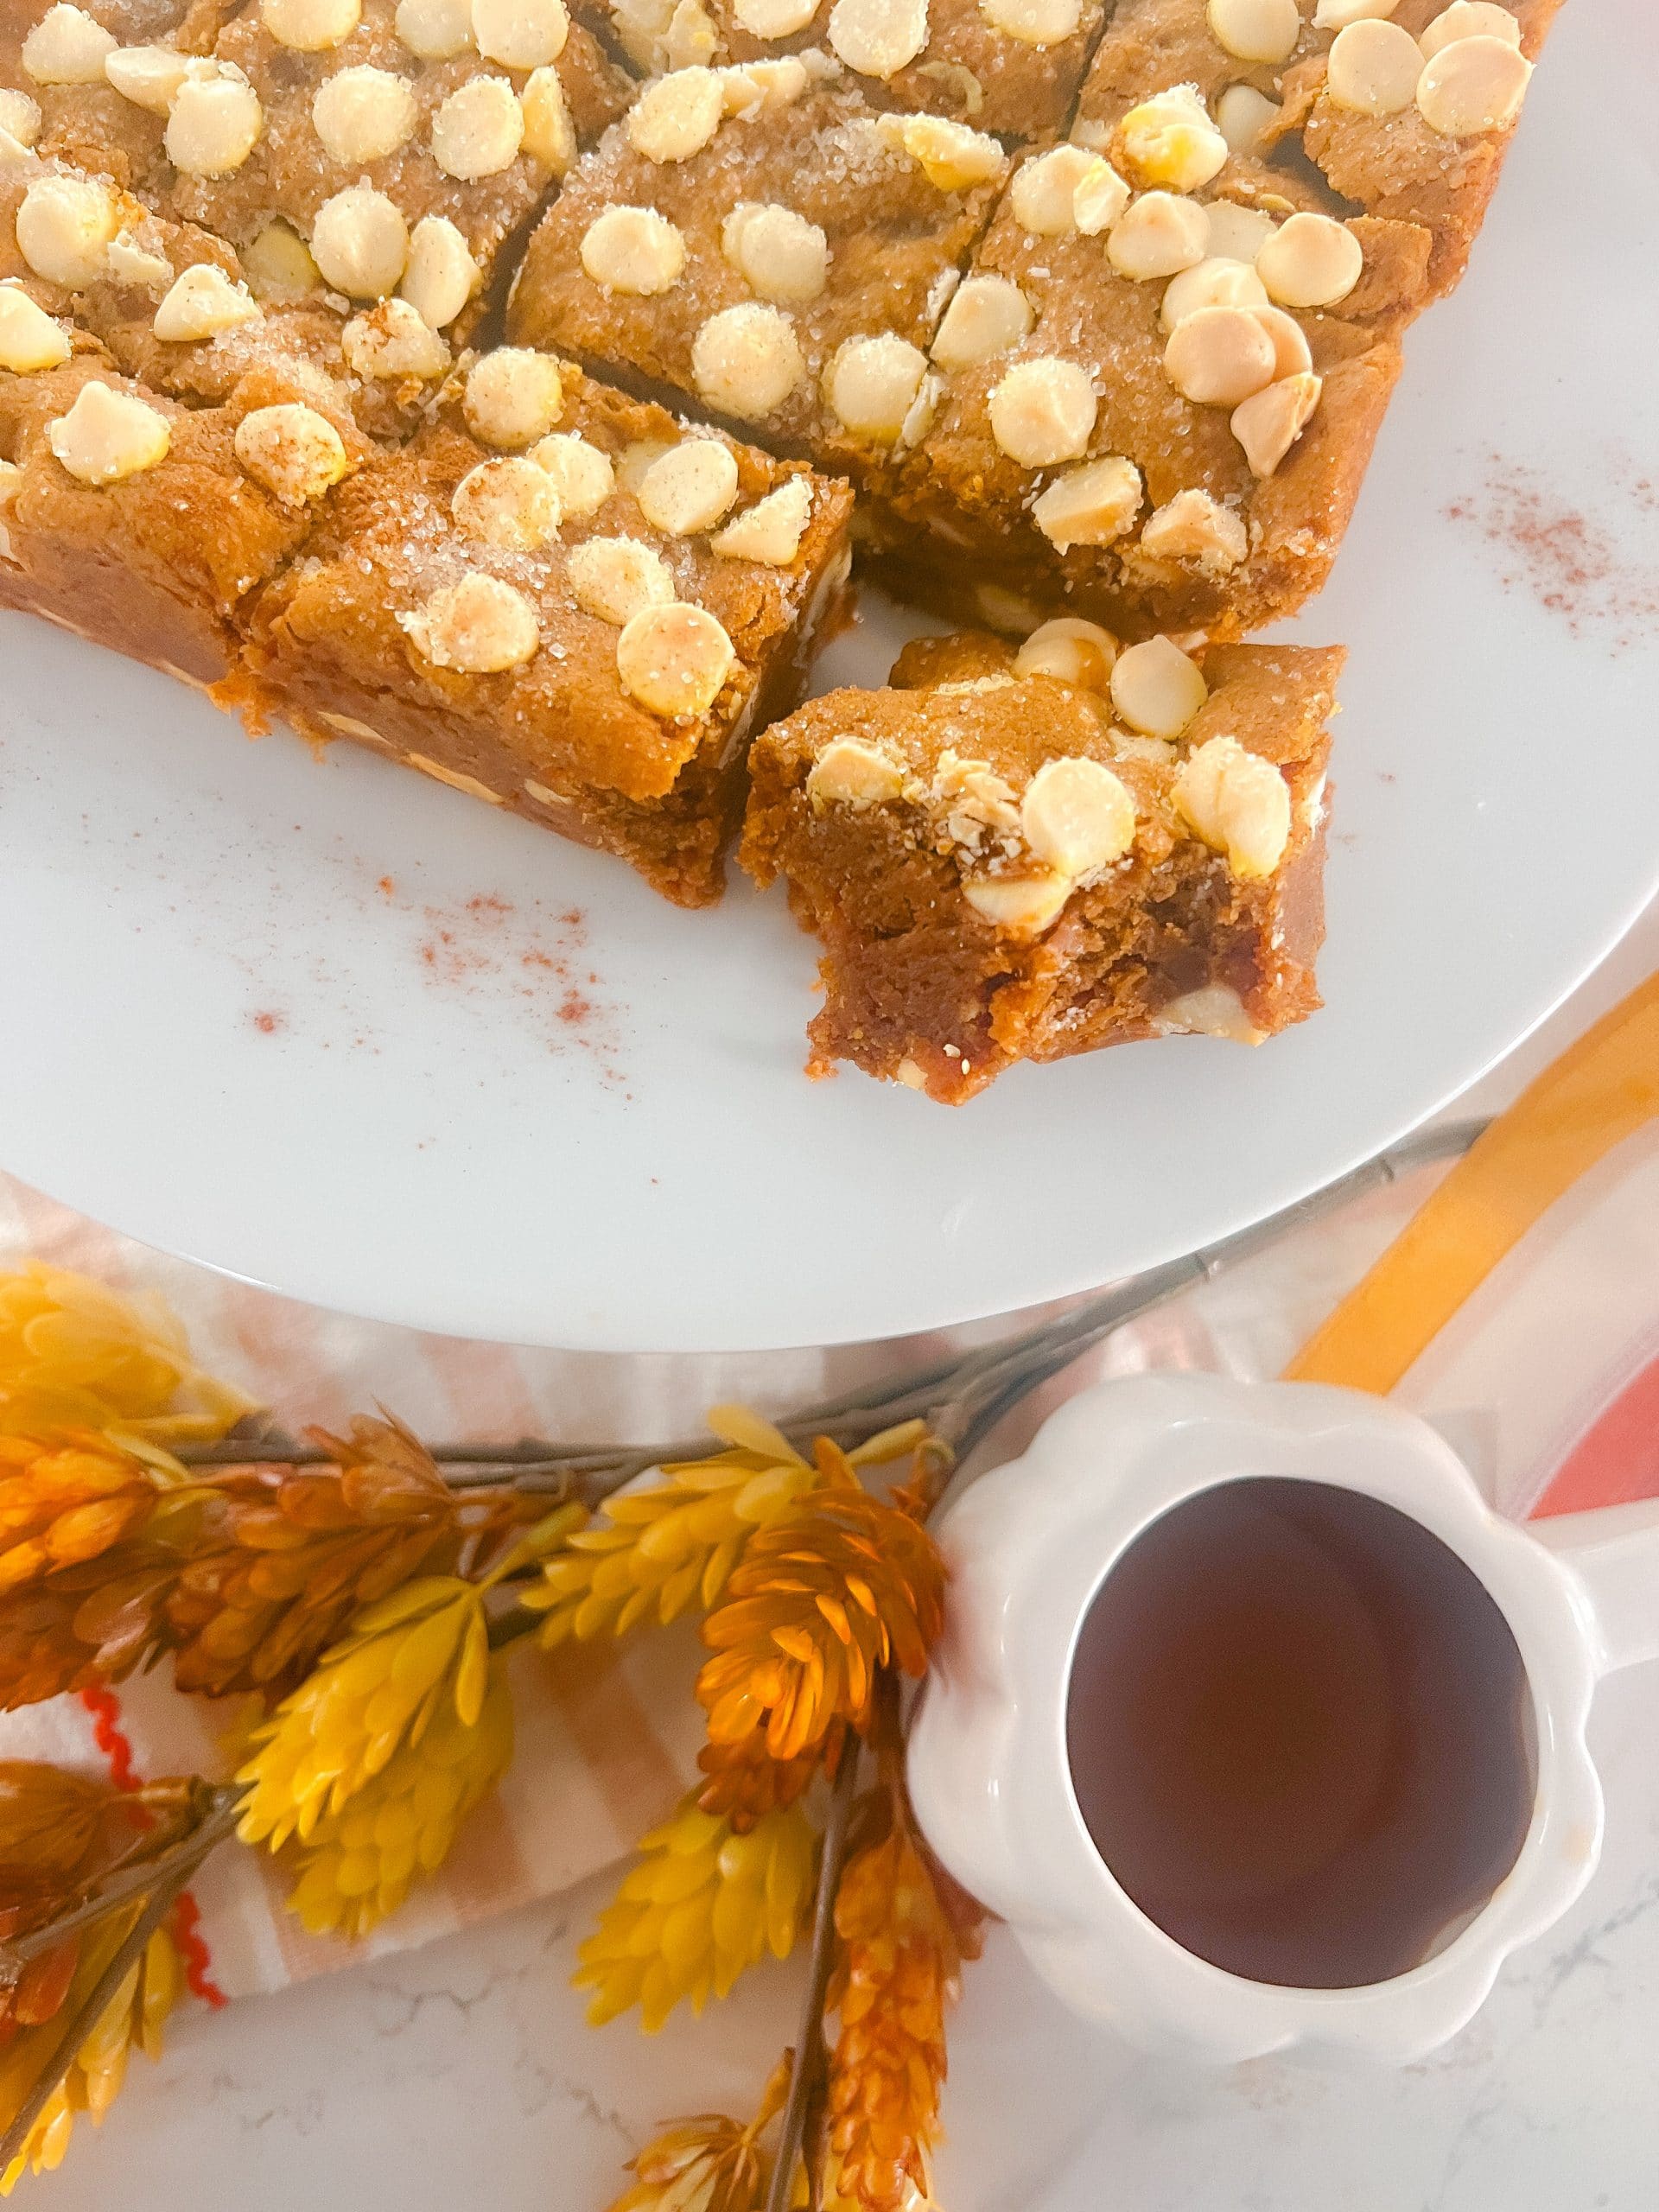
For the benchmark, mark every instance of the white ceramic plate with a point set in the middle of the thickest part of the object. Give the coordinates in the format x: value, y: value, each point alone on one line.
x: 329, y: 1026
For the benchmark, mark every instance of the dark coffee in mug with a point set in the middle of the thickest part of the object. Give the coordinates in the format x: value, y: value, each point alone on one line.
x: 1299, y: 1732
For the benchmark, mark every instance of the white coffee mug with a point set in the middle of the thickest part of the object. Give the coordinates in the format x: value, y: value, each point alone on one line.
x: 1029, y: 1548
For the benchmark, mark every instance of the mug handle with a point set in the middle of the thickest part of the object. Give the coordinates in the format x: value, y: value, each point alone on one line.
x: 1612, y: 1555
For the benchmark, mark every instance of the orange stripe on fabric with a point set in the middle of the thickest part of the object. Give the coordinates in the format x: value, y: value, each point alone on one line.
x: 612, y: 1731
x: 485, y: 1386
x: 281, y: 1341
x: 1600, y: 1092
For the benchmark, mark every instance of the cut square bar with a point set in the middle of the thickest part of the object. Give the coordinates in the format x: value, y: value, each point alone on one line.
x: 1006, y: 863
x: 564, y: 601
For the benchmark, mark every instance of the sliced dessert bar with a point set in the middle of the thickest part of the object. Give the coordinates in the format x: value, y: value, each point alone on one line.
x: 1368, y: 98
x: 1008, y: 65
x: 761, y: 246
x: 140, y: 522
x: 1022, y: 858
x: 564, y: 601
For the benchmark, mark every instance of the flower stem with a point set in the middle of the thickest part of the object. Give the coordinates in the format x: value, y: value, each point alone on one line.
x: 807, y: 2063
x: 137, y: 1879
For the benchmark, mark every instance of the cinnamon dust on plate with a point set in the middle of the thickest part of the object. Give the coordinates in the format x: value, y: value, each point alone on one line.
x: 1596, y: 573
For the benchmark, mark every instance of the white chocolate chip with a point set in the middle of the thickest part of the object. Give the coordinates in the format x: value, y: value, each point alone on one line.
x: 67, y: 47
x: 1194, y: 528
x: 582, y: 474
x: 1044, y: 192
x: 1473, y: 86
x: 1238, y: 803
x: 109, y: 435
x: 690, y: 488
x: 550, y: 135
x: 128, y: 261
x: 1070, y: 650
x: 202, y: 302
x: 1269, y: 422
x: 213, y: 126
x: 513, y: 397
x: 64, y: 227
x: 781, y: 256
x: 1156, y: 689
x: 1337, y: 14
x: 436, y: 30
x: 678, y: 115
x: 774, y: 18
x: 1159, y: 234
x: 770, y: 532
x: 634, y: 250
x: 777, y: 84
x: 878, y: 37
x: 1034, y: 22
x: 29, y: 340
x: 746, y: 361
x: 675, y: 660
x: 509, y: 503
x: 360, y: 243
x: 480, y: 625
x: 1099, y: 199
x: 1170, y: 141
x: 20, y: 118
x: 872, y: 383
x: 310, y: 26
x: 1291, y: 355
x: 1219, y: 356
x: 950, y: 156
x: 148, y: 76
x: 1076, y: 816
x: 1090, y: 505
x: 1244, y: 115
x: 1212, y: 1010
x: 636, y: 457
x: 441, y: 277
x: 690, y: 39
x: 278, y: 265
x: 479, y: 129
x: 362, y: 115
x: 520, y: 34
x: 293, y: 451
x: 1020, y: 906
x: 1043, y: 412
x: 986, y: 314
x: 1470, y: 19
x: 851, y: 773
x: 393, y: 340
x: 1211, y: 284
x: 1373, y: 68
x: 614, y: 578
x: 1236, y: 233
x: 1255, y: 30
x: 1312, y: 261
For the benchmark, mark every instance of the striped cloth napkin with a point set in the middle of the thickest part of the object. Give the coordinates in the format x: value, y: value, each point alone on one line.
x: 607, y: 1741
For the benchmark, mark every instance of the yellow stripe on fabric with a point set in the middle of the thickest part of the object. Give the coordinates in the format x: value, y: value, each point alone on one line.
x: 1600, y: 1092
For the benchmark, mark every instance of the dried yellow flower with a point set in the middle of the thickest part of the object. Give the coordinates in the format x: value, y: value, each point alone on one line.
x: 132, y: 2020
x: 701, y: 1905
x: 404, y: 1659
x: 360, y: 1862
x: 74, y: 1355
x: 820, y: 1604
x: 709, y: 2163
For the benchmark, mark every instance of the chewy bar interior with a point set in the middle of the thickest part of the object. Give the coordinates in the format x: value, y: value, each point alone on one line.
x: 765, y: 247
x: 1011, y: 67
x: 1021, y: 857
x: 562, y: 601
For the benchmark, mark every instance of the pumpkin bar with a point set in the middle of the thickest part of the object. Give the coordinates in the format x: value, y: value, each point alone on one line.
x: 1012, y: 67
x: 564, y: 601
x: 762, y: 246
x: 1022, y: 856
x: 143, y: 523
x: 1368, y: 99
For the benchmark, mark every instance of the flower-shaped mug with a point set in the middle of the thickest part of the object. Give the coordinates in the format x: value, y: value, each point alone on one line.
x: 1030, y: 1549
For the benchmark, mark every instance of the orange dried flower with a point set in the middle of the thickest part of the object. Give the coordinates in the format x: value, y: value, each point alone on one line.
x: 746, y: 1783
x: 708, y: 2164
x: 65, y: 1502
x: 58, y: 1832
x: 849, y: 1585
x: 898, y: 1968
